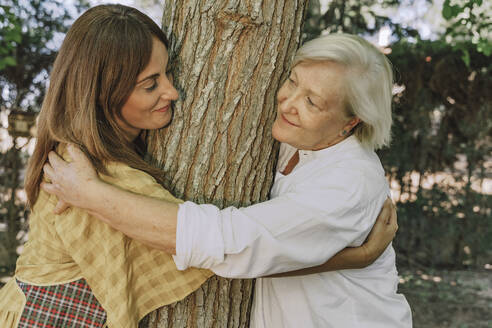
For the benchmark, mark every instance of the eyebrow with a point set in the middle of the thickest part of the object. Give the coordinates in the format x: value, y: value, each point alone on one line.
x: 155, y: 75
x: 150, y: 77
x: 311, y: 91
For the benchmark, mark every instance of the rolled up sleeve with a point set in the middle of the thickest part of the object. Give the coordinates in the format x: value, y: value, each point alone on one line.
x: 301, y: 228
x: 199, y: 240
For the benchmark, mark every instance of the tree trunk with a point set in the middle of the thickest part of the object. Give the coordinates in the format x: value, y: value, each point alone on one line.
x: 228, y: 58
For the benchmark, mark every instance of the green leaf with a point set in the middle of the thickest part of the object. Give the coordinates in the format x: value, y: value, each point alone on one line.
x: 446, y: 10
x: 9, y: 61
x: 449, y: 11
x: 446, y: 13
x: 466, y: 57
x: 485, y: 47
x: 13, y: 35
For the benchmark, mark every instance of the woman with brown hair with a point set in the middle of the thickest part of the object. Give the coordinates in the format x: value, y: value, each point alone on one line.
x: 108, y: 86
x: 109, y: 83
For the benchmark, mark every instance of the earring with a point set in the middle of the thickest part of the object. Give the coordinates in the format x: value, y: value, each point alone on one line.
x: 344, y: 132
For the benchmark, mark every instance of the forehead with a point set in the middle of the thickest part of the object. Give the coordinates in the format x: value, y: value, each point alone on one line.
x: 324, y: 78
x: 158, y: 59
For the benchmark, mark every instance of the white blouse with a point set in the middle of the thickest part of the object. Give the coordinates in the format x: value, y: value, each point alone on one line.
x: 328, y: 202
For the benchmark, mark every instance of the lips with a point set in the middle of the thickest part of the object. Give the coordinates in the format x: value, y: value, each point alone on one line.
x: 286, y: 120
x: 163, y: 109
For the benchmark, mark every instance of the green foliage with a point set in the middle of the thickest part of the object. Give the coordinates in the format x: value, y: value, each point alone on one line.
x: 13, y: 212
x: 28, y: 33
x: 355, y: 17
x: 442, y: 127
x: 28, y: 40
x: 470, y: 21
x: 10, y: 36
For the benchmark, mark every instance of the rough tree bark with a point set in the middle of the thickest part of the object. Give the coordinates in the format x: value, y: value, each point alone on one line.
x: 228, y: 58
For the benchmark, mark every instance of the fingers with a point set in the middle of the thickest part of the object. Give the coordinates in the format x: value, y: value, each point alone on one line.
x: 389, y: 207
x: 380, y: 220
x: 55, y: 161
x: 394, y: 218
x: 385, y: 213
x: 48, y: 171
x: 60, y: 207
x: 50, y: 188
x: 76, y: 153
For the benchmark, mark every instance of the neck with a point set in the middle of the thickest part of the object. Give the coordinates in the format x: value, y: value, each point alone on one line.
x: 331, y: 143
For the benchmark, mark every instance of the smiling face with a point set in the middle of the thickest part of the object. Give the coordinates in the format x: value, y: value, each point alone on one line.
x: 149, y: 104
x: 310, y: 112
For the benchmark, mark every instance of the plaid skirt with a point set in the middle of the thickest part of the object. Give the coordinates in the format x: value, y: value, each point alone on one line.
x: 65, y: 305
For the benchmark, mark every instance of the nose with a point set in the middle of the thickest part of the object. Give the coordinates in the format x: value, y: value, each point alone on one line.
x: 286, y: 99
x: 168, y: 91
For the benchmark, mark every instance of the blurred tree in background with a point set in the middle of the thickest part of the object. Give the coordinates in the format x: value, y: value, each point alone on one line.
x: 470, y: 26
x: 440, y: 157
x: 364, y: 17
x: 10, y: 36
x: 29, y: 35
x: 28, y: 46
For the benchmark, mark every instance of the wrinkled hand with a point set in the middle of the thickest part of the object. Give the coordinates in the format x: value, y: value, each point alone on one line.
x: 383, y: 232
x: 69, y: 181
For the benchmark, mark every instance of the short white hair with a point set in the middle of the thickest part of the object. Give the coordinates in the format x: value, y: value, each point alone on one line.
x: 368, y: 82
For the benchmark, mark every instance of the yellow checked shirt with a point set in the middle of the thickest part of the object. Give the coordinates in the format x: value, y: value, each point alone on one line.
x: 128, y: 278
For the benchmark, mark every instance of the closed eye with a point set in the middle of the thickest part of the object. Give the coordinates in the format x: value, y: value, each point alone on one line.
x: 310, y: 102
x: 152, y: 87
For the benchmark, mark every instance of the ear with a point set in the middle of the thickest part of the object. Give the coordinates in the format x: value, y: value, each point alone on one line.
x: 351, y: 124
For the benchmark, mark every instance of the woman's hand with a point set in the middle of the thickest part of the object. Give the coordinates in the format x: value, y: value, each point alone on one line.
x: 149, y: 220
x: 70, y: 182
x: 383, y: 232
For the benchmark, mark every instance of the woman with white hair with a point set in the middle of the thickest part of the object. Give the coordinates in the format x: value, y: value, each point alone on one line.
x: 333, y: 111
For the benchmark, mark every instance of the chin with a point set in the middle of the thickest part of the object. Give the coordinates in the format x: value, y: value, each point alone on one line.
x: 278, y: 134
x: 166, y: 121
x: 276, y: 131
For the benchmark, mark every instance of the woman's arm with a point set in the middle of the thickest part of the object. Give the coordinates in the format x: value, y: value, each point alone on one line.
x: 149, y: 220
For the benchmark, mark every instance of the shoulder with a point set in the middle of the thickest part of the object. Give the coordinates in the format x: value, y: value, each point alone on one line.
x: 353, y: 179
x: 135, y: 180
x: 358, y: 162
x: 128, y: 178
x: 336, y: 184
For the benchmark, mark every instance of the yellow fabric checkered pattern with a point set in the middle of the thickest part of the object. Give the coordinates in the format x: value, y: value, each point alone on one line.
x: 128, y: 278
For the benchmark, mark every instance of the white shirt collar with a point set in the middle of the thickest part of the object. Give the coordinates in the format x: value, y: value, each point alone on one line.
x: 306, y: 156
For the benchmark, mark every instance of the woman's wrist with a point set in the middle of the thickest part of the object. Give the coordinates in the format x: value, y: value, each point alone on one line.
x: 92, y: 194
x: 369, y: 255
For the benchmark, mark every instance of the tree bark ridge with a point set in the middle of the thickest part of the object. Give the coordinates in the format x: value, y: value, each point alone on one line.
x: 228, y: 59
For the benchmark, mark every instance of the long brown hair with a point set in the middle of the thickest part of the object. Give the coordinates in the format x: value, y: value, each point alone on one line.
x: 93, y: 75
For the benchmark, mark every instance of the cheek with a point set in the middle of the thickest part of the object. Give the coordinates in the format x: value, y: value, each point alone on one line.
x: 310, y: 119
x: 320, y: 125
x: 128, y: 110
x: 281, y: 94
x: 137, y: 106
x: 334, y: 126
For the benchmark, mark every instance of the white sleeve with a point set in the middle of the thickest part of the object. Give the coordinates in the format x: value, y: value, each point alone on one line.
x: 298, y: 229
